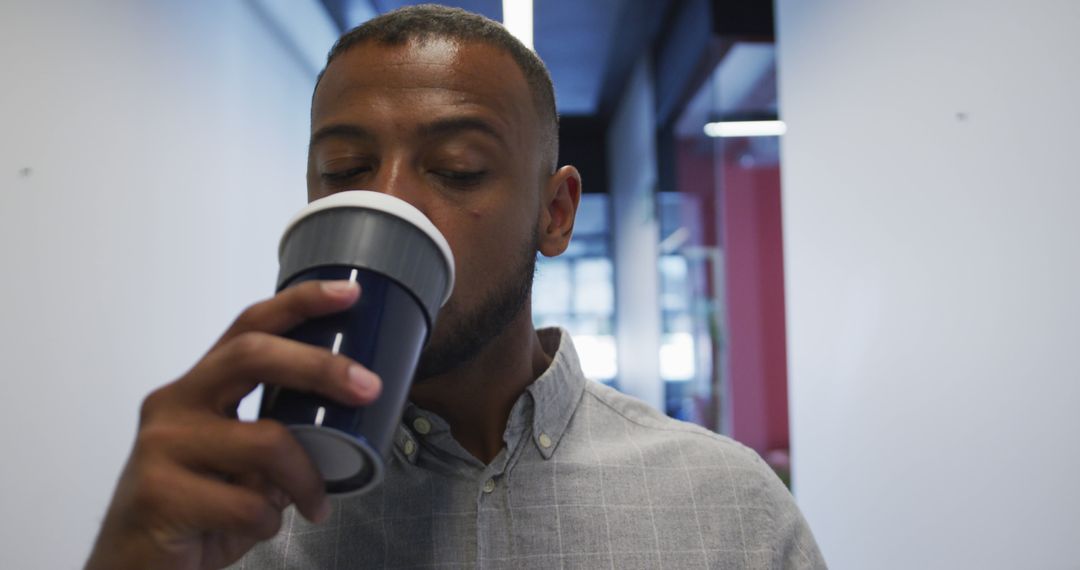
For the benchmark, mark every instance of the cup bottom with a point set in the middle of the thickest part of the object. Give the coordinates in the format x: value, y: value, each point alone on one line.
x: 349, y: 465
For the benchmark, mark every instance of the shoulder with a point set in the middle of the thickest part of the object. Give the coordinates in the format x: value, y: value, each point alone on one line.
x: 618, y: 414
x: 735, y: 496
x: 718, y: 468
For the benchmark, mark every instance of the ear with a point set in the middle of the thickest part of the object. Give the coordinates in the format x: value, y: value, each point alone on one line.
x: 560, y: 203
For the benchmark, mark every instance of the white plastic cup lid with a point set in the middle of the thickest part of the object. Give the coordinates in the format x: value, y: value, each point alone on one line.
x: 397, y: 207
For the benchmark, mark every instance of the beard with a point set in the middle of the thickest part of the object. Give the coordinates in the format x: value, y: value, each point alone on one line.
x: 468, y: 333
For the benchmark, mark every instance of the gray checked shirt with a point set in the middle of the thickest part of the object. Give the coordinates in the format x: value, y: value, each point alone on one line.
x: 589, y: 478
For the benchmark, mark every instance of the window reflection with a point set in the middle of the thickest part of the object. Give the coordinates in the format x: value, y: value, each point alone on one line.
x: 690, y: 311
x: 576, y: 291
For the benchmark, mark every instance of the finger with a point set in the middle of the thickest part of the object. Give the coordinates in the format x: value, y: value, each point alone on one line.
x: 263, y: 456
x: 262, y: 485
x: 293, y: 306
x: 194, y: 504
x: 228, y: 374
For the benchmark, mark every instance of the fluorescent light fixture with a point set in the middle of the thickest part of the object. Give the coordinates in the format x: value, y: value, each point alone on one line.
x: 746, y: 129
x: 518, y: 19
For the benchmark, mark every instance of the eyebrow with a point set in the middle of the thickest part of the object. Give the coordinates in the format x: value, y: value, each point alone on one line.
x: 339, y: 130
x: 438, y: 128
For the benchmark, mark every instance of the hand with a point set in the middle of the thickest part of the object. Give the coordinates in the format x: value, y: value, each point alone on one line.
x: 200, y: 487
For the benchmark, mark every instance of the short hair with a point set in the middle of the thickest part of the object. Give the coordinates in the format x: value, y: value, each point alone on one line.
x: 432, y: 21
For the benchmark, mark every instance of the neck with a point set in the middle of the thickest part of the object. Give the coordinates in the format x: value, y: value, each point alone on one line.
x: 476, y: 397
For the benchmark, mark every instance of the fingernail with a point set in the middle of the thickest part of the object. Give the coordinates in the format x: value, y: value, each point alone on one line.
x: 340, y: 288
x: 361, y: 377
x: 322, y: 512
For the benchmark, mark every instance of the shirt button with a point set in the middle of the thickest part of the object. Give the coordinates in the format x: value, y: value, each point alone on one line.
x: 422, y: 426
x: 489, y: 485
x: 409, y: 446
x: 545, y: 441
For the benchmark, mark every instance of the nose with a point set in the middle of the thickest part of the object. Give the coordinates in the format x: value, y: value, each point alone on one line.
x: 397, y: 178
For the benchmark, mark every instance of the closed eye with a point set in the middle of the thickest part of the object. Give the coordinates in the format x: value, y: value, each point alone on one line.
x: 343, y: 175
x: 461, y: 177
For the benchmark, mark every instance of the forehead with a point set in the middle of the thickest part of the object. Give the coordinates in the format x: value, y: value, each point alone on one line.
x: 425, y: 77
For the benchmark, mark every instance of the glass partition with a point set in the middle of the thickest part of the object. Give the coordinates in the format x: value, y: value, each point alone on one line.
x: 576, y: 291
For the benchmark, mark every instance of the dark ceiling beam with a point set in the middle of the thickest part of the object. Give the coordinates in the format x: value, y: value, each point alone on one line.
x: 583, y: 143
x: 749, y: 19
x: 637, y: 27
x: 695, y: 39
x: 680, y: 55
x: 583, y: 138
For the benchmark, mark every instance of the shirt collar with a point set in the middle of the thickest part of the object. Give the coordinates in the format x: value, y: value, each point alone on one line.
x: 546, y: 406
x: 556, y: 393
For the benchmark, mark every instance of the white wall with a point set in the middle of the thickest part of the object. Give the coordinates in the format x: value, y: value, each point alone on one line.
x: 150, y: 153
x: 635, y: 237
x: 933, y: 281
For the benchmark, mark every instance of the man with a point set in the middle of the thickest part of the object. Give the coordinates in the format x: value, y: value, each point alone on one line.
x: 506, y: 456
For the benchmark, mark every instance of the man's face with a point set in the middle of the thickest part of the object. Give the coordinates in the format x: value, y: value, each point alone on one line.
x: 449, y: 127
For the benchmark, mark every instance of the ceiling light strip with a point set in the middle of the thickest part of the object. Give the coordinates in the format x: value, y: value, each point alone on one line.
x: 746, y: 129
x: 518, y: 19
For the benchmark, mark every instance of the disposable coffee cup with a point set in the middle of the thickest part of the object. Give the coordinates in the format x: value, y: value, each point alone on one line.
x: 406, y: 272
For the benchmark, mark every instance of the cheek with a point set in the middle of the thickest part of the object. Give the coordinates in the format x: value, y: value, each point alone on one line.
x: 486, y: 239
x: 474, y: 250
x: 479, y: 254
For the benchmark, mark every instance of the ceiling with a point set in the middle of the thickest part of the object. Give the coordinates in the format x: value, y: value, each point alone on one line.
x: 589, y: 46
x: 741, y: 87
